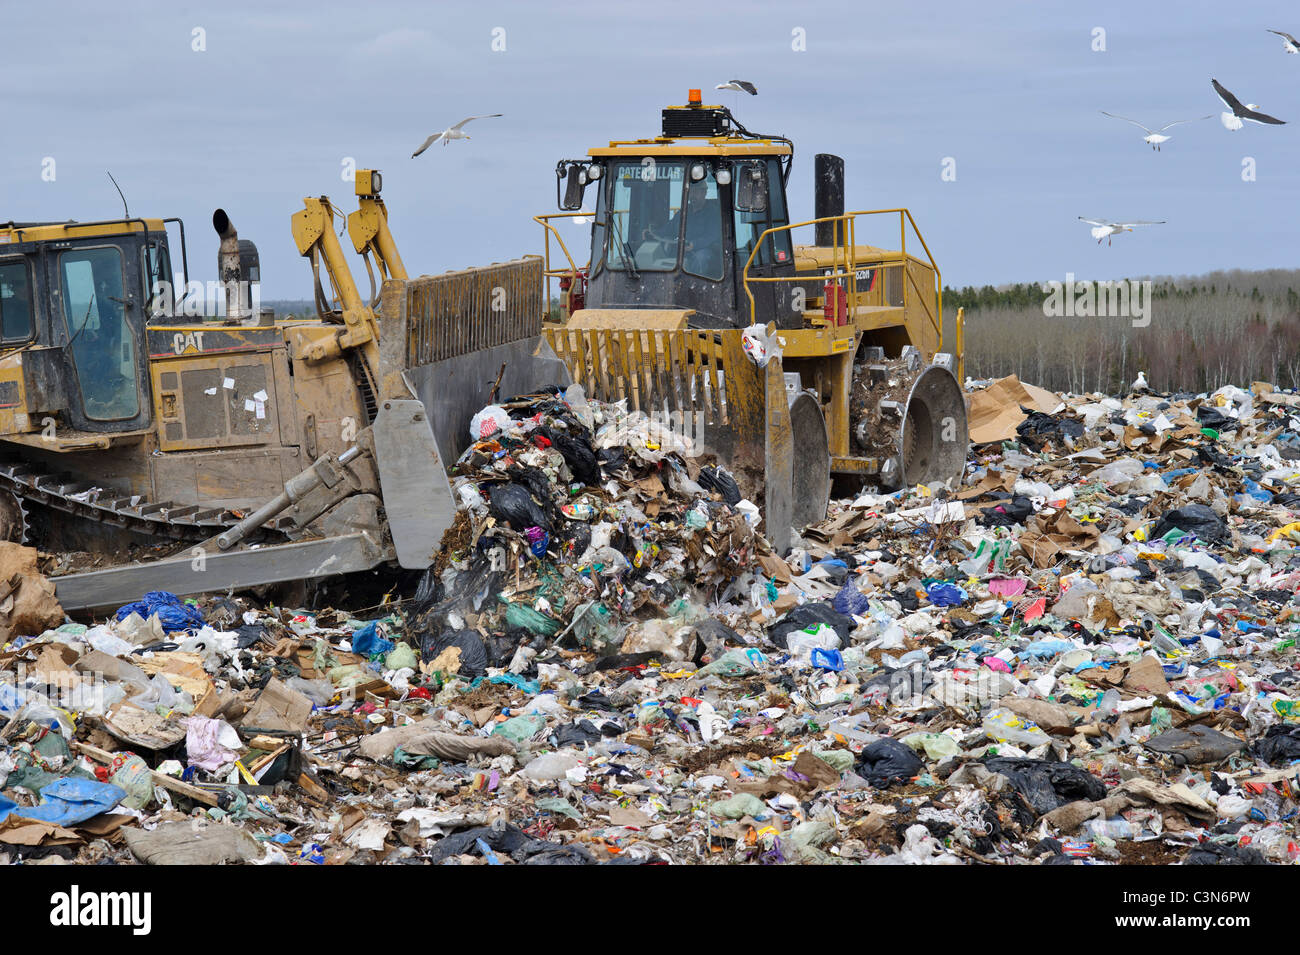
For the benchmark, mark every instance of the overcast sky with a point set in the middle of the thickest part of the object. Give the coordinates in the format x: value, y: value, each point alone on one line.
x: 269, y: 111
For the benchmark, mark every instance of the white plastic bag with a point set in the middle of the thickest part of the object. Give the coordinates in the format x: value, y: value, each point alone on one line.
x: 488, y: 422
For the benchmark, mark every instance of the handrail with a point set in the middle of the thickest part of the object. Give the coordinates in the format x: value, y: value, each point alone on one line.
x: 547, y: 229
x: 845, y: 225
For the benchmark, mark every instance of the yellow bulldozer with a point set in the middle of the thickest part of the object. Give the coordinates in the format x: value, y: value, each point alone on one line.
x: 269, y: 449
x: 794, y: 364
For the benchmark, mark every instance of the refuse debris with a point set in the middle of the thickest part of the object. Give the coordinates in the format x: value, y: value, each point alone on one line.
x: 1084, y: 653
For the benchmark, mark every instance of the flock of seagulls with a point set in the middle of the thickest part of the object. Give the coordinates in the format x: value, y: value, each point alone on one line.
x: 1233, y: 118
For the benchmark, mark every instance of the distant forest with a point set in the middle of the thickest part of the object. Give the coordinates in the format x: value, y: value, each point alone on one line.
x: 1228, y: 327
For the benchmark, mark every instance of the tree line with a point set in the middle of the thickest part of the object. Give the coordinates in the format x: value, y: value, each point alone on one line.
x: 1202, y: 332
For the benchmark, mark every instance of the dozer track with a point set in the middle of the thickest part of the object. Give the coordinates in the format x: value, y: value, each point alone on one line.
x: 135, y: 512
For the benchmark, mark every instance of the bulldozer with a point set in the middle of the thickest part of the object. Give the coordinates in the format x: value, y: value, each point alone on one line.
x: 252, y: 449
x: 797, y: 365
x: 263, y: 449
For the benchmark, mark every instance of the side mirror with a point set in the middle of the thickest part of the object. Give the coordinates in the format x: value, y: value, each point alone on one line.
x: 574, y: 186
x: 751, y: 188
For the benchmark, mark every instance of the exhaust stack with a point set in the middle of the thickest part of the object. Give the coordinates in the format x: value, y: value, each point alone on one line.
x: 228, y: 266
x: 828, y: 196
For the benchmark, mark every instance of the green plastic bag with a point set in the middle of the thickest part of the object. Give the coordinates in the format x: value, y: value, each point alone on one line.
x: 522, y: 615
x: 400, y: 657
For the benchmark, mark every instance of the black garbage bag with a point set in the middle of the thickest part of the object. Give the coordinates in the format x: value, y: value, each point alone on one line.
x: 512, y: 504
x: 809, y: 615
x: 1217, y: 853
x: 1014, y: 510
x: 1046, y: 785
x: 711, y: 639
x: 428, y: 592
x: 579, y: 733
x: 1197, y: 519
x: 1040, y: 429
x: 538, y: 484
x: 1279, y: 744
x: 473, y: 652
x: 887, y: 761
x: 720, y: 482
x: 577, y: 451
x: 1211, y: 417
x: 612, y: 459
x: 249, y: 634
x: 577, y: 538
x: 511, y: 841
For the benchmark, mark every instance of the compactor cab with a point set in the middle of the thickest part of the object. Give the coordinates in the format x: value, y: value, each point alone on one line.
x: 677, y: 217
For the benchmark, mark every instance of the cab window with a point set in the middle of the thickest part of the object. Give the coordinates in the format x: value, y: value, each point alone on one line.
x: 645, y: 216
x: 777, y: 248
x: 16, y: 322
x: 101, y: 340
x: 158, y: 281
x: 702, y: 253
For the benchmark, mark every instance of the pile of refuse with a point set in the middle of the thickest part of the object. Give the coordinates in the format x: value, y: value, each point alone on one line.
x: 1085, y: 653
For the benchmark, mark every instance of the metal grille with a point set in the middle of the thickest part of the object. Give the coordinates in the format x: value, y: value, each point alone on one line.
x: 461, y: 312
x: 655, y: 371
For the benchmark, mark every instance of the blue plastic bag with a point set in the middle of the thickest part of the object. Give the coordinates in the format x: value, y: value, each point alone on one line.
x: 851, y: 601
x: 827, y: 659
x: 172, y: 613
x: 68, y: 801
x: 368, y: 642
x: 946, y: 595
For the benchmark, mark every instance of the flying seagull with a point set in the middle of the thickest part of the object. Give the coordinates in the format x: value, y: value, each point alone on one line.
x: 453, y: 132
x: 1155, y: 136
x: 1106, y: 230
x: 1232, y: 120
x: 740, y: 86
x: 1289, y: 43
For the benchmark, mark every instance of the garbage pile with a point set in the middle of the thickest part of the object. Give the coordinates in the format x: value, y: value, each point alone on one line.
x: 1083, y: 654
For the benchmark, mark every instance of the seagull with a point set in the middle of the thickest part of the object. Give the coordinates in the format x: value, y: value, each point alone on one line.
x: 1155, y: 136
x: 1232, y: 120
x: 454, y: 132
x: 1289, y: 43
x: 740, y: 86
x: 1106, y: 230
x: 1140, y: 383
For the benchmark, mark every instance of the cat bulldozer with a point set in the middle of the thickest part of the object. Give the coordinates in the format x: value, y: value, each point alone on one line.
x: 795, y: 365
x: 246, y: 449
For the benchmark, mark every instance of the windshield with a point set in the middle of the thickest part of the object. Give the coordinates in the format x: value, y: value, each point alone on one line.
x: 660, y: 220
x: 102, y: 344
x: 645, y: 216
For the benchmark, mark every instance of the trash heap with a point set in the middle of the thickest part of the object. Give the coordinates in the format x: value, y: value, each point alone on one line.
x: 1086, y: 653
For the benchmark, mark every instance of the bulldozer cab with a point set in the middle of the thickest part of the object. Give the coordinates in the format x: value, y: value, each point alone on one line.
x: 73, y: 301
x: 677, y: 218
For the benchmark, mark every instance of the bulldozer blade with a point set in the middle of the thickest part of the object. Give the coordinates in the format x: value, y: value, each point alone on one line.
x: 417, y: 495
x: 198, y: 572
x: 455, y: 389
